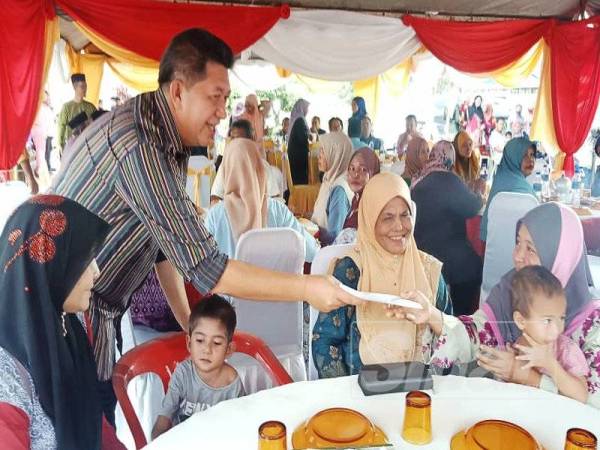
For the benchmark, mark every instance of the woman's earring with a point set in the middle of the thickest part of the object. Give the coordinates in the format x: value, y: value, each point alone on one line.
x: 64, y: 327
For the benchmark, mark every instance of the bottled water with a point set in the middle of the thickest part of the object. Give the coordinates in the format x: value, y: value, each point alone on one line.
x: 576, y: 191
x: 537, y: 185
x: 546, y: 192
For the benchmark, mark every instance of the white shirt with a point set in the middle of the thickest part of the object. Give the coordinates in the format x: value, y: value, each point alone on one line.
x: 497, y: 143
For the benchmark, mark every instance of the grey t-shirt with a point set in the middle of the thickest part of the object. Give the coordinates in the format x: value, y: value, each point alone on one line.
x: 188, y: 394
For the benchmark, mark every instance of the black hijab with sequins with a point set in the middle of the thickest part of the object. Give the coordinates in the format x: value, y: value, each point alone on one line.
x: 47, y: 244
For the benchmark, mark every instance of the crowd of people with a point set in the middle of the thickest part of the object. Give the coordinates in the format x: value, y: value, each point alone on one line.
x: 118, y: 207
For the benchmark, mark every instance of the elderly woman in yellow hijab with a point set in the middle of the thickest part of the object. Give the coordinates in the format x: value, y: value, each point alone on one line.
x: 385, y: 260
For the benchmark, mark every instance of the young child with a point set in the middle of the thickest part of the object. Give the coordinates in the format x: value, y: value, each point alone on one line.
x: 204, y: 379
x: 539, y: 308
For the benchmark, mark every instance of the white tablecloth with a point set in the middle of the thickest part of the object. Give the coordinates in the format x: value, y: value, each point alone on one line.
x: 457, y: 403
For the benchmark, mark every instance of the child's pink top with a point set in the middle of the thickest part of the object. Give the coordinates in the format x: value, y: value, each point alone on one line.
x: 571, y: 357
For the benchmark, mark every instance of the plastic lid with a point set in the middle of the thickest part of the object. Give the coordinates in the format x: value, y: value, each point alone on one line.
x: 490, y: 434
x: 340, y: 425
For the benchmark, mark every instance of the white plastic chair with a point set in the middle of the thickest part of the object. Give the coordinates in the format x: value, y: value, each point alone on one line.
x: 279, y: 324
x: 320, y: 266
x: 504, y: 212
x: 199, y: 163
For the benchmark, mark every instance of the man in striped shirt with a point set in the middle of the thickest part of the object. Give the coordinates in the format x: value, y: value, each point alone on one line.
x: 129, y: 167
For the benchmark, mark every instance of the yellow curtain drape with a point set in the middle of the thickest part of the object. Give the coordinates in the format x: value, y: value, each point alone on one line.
x: 542, y: 125
x: 140, y: 78
x: 136, y: 71
x: 314, y: 85
x: 283, y: 73
x: 114, y: 51
x: 390, y: 84
x: 92, y: 66
x: 517, y: 71
x: 52, y: 37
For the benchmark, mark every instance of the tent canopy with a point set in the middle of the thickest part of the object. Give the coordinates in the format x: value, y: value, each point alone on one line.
x: 562, y: 9
x: 483, y: 8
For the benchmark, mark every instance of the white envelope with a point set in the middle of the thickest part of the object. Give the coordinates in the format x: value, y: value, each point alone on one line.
x: 382, y: 298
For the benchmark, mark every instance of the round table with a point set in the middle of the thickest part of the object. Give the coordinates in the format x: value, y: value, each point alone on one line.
x: 457, y: 403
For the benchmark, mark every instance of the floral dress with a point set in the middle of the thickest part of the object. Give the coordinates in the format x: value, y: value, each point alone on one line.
x: 336, y: 337
x: 17, y: 389
x: 461, y: 337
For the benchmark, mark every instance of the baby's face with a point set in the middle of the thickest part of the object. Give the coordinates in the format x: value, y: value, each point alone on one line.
x: 209, y: 345
x: 545, y: 320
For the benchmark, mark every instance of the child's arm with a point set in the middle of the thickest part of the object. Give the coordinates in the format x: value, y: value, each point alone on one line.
x: 170, y: 404
x: 161, y: 425
x: 544, y: 357
x: 567, y: 384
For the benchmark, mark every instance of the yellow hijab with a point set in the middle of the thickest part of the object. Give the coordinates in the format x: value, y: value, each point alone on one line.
x: 383, y: 339
x: 245, y: 183
x: 466, y: 168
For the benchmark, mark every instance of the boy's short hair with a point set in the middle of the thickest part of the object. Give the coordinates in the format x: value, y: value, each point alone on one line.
x: 245, y: 126
x: 529, y: 281
x: 214, y: 307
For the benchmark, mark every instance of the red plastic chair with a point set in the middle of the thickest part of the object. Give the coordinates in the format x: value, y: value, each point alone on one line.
x: 161, y: 355
x: 473, y: 226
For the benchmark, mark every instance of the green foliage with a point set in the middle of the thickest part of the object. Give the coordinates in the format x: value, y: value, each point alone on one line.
x: 286, y: 99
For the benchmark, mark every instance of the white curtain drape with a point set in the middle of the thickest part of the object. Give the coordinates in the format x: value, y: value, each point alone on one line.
x: 337, y: 45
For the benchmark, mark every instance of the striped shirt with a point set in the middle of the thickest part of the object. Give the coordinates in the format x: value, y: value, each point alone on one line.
x: 129, y: 168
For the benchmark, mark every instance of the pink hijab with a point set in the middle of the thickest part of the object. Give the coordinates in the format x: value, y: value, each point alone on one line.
x: 558, y: 237
x: 441, y: 159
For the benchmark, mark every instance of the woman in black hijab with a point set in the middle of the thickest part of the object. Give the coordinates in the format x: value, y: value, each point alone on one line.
x: 47, y: 369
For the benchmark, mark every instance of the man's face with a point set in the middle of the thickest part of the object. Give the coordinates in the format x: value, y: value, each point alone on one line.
x: 80, y: 88
x: 500, y: 125
x: 199, y: 107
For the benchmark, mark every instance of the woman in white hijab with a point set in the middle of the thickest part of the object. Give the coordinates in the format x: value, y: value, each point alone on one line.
x: 335, y: 196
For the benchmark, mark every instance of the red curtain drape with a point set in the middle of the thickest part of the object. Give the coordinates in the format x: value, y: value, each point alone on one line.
x: 478, y: 47
x: 22, y: 47
x: 145, y: 27
x: 575, y: 66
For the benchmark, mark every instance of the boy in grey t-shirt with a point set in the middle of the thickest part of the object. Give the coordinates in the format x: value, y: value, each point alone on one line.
x: 204, y: 379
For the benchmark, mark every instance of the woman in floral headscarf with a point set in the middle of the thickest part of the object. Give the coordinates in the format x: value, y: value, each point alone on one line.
x: 442, y: 198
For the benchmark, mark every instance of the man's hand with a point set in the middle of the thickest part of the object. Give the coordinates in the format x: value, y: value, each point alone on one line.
x: 325, y: 294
